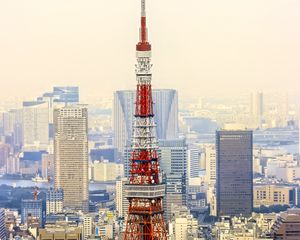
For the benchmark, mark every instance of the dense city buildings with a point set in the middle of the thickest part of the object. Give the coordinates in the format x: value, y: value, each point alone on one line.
x: 191, y: 163
x: 33, y: 210
x: 71, y: 155
x: 234, y: 173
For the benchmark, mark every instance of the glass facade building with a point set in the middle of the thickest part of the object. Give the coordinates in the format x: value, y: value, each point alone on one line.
x: 234, y: 173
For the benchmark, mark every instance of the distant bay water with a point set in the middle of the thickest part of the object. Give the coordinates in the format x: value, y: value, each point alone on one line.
x: 29, y: 183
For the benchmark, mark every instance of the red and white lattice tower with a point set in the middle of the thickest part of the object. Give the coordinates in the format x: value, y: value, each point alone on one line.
x: 144, y: 191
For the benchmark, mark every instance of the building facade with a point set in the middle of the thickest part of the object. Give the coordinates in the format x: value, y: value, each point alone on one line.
x: 210, y: 160
x: 173, y: 162
x: 54, y: 201
x: 36, y: 124
x: 71, y: 155
x: 234, y: 173
x: 269, y: 194
x: 32, y: 209
x: 194, y: 167
x: 287, y: 226
x: 122, y: 202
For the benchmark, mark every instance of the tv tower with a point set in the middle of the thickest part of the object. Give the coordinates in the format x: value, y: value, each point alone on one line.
x: 144, y: 191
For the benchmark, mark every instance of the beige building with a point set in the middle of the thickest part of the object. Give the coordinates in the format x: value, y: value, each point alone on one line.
x: 71, y: 155
x: 185, y: 227
x: 36, y: 125
x: 271, y: 195
x: 104, y: 171
x: 121, y: 201
x: 210, y: 156
x: 61, y: 233
x: 87, y: 226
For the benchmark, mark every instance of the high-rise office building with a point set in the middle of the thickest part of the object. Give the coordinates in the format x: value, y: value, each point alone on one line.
x: 32, y: 209
x: 13, y: 165
x: 122, y: 202
x: 4, y: 154
x: 210, y: 160
x: 71, y: 155
x: 36, y: 124
x: 234, y: 173
x: 173, y: 154
x: 176, y: 193
x: 173, y: 162
x: 12, y: 126
x: 3, y: 234
x: 165, y: 114
x: 193, y: 166
x: 257, y: 108
x: 54, y: 201
x: 44, y: 106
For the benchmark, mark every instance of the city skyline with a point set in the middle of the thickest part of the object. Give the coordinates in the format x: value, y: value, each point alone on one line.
x: 253, y: 45
x: 210, y: 151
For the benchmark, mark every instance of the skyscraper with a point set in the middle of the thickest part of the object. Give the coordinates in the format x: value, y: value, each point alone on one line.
x: 4, y: 154
x: 257, y: 108
x: 173, y: 155
x: 234, y: 173
x: 36, y: 124
x: 121, y: 200
x: 165, y: 114
x: 193, y: 166
x: 210, y: 157
x: 71, y: 155
x: 12, y: 125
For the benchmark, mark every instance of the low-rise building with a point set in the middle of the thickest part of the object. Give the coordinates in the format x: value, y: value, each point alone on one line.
x: 272, y: 194
x: 287, y: 225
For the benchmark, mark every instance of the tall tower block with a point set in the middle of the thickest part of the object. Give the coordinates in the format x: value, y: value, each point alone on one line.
x: 144, y: 191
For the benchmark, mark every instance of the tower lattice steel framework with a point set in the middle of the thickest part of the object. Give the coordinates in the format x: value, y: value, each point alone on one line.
x: 144, y: 191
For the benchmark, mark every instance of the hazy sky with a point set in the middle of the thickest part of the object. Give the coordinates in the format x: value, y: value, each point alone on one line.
x: 199, y: 46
